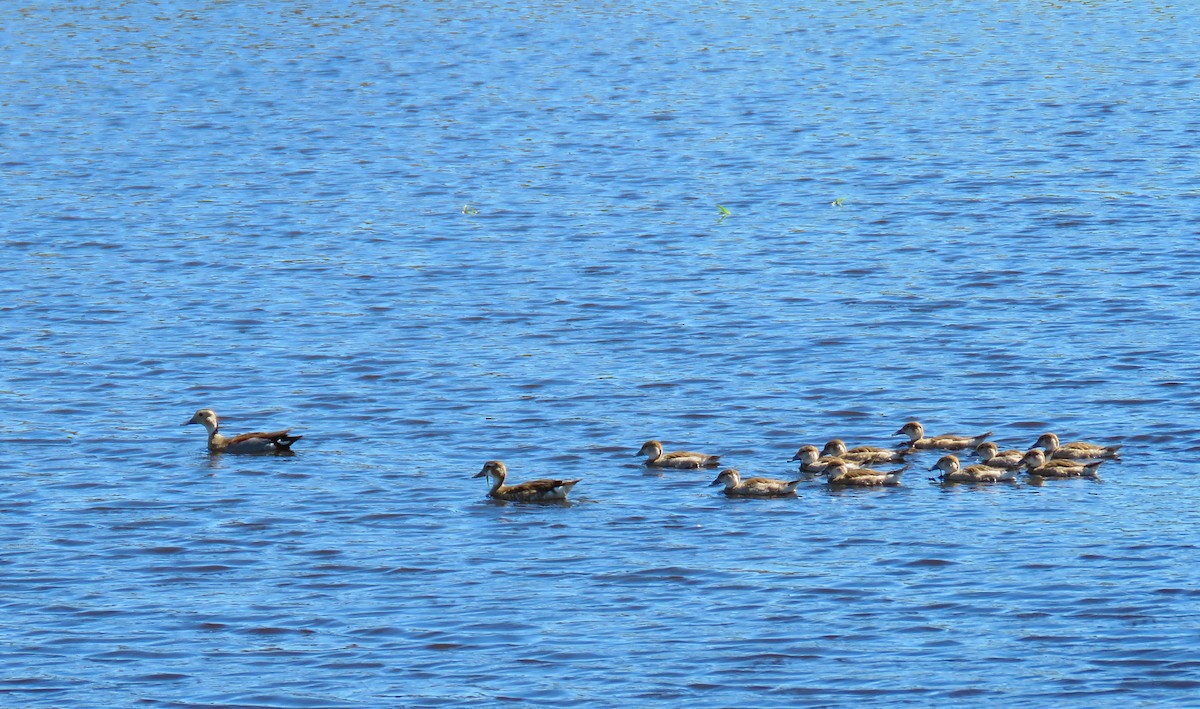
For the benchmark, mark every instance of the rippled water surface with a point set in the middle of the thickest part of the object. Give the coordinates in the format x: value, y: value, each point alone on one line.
x: 431, y: 234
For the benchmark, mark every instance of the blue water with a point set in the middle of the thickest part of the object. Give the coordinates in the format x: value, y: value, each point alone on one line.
x: 428, y: 235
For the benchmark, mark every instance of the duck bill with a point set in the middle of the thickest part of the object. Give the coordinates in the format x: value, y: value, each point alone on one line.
x: 716, y: 482
x: 480, y: 474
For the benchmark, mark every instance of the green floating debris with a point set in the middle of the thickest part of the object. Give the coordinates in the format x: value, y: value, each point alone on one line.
x: 837, y: 202
x: 469, y: 210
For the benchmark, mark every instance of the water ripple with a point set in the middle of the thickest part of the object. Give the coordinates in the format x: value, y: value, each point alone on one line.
x: 429, y: 237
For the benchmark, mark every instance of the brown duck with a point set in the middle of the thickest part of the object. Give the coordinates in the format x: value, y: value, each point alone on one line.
x: 532, y: 491
x: 1036, y: 464
x: 679, y: 459
x: 811, y: 460
x: 836, y: 448
x: 949, y: 441
x: 735, y: 486
x: 991, y: 455
x: 952, y: 472
x: 841, y: 474
x: 258, y: 442
x: 1076, y: 450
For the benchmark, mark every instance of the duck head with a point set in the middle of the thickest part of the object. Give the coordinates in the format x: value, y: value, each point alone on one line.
x: 206, y: 418
x: 913, y: 429
x: 947, y: 464
x: 986, y: 450
x: 652, y: 449
x: 1033, y: 458
x: 728, y: 478
x: 492, y: 469
x: 806, y: 455
x: 1049, y: 441
x: 835, y: 448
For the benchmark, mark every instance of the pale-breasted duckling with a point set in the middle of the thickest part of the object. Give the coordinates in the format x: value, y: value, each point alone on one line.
x: 836, y: 448
x: 841, y: 474
x: 1076, y: 450
x: 258, y: 442
x: 1036, y: 464
x: 753, y: 487
x: 953, y: 473
x: 811, y: 460
x: 991, y: 455
x: 949, y: 441
x: 532, y: 491
x: 679, y: 459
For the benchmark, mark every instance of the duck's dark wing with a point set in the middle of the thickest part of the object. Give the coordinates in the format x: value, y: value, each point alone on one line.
x: 539, y: 489
x: 279, y: 438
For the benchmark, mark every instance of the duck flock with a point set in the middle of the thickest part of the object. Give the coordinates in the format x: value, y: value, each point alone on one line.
x: 839, y: 465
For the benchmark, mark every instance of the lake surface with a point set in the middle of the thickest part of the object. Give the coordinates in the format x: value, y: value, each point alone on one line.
x: 431, y: 234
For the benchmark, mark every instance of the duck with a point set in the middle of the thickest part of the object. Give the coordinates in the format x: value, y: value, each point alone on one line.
x: 1036, y: 464
x: 991, y: 455
x: 952, y: 472
x: 949, y: 441
x: 753, y: 487
x: 532, y: 491
x: 679, y: 459
x: 811, y: 460
x: 841, y: 474
x: 258, y: 442
x: 836, y: 448
x: 1076, y: 450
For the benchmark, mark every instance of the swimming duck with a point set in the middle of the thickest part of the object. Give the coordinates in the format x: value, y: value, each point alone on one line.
x: 753, y: 487
x: 258, y: 442
x: 949, y: 441
x: 1077, y: 450
x: 811, y: 460
x: 991, y: 455
x: 1036, y: 464
x: 953, y: 473
x: 532, y: 491
x: 679, y: 459
x: 864, y: 454
x: 841, y: 474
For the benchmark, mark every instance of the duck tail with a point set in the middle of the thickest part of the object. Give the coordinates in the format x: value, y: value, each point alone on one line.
x: 285, y: 441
